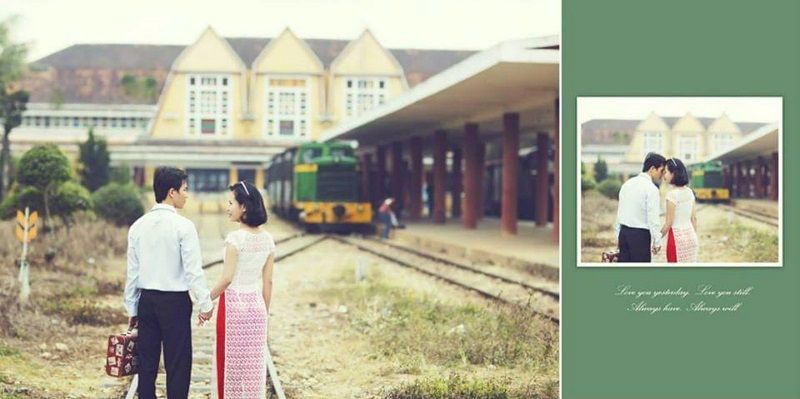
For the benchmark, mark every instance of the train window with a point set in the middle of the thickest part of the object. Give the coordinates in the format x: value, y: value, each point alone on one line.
x: 341, y: 152
x: 309, y: 154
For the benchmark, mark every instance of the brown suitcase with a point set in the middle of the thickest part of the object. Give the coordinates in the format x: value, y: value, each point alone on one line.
x: 611, y: 256
x: 121, y: 360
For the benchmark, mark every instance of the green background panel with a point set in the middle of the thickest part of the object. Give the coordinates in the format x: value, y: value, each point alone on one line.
x: 681, y: 48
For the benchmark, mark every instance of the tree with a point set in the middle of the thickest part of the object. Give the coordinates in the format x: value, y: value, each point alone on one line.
x: 12, y: 66
x: 12, y: 105
x: 12, y: 55
x: 93, y: 154
x: 45, y: 168
x: 145, y: 87
x: 600, y: 170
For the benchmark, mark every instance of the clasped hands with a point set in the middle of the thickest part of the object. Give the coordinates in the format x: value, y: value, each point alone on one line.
x: 203, y: 317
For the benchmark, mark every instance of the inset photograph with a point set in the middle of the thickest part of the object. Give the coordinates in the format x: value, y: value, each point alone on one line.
x: 680, y: 181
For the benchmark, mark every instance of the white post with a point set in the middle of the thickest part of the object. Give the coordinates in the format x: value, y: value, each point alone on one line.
x: 25, y: 289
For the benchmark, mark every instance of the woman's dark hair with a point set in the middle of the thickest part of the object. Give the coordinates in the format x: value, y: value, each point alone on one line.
x: 165, y: 178
x: 255, y: 213
x: 653, y: 160
x: 680, y: 177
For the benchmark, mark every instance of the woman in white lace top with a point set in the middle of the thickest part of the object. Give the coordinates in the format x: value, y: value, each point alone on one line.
x: 244, y: 290
x: 681, y: 223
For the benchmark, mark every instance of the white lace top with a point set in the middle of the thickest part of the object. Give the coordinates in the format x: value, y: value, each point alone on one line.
x: 253, y: 250
x: 683, y: 198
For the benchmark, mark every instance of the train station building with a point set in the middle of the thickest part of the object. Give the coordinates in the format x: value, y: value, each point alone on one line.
x: 480, y: 141
x: 219, y: 107
x: 461, y: 138
x: 752, y: 168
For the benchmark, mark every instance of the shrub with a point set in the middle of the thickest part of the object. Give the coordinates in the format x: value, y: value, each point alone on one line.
x: 18, y: 199
x: 70, y: 197
x: 121, y: 174
x: 118, y: 203
x: 610, y: 188
x: 587, y: 183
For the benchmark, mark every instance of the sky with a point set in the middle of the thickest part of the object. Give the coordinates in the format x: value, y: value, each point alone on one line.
x: 51, y: 25
x: 738, y: 109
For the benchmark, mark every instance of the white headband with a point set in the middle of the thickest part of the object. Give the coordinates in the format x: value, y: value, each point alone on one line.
x: 245, y: 188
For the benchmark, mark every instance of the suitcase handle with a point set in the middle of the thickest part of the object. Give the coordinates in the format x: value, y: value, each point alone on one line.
x: 133, y: 326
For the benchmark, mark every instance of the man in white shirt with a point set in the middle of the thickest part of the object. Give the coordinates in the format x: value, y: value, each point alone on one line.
x: 164, y: 264
x: 638, y: 222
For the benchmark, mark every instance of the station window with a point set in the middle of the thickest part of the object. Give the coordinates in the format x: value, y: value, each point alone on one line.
x: 687, y: 148
x: 208, y: 126
x: 363, y: 94
x: 207, y: 180
x: 653, y: 142
x: 287, y: 110
x: 722, y: 141
x: 208, y: 105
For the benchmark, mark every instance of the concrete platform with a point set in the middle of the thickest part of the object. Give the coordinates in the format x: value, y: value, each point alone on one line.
x: 531, y: 250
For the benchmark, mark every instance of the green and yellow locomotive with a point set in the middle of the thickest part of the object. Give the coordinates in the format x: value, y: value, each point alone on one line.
x: 708, y: 182
x: 317, y: 185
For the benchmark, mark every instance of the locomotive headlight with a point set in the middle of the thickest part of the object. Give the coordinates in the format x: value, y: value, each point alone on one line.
x: 360, y: 208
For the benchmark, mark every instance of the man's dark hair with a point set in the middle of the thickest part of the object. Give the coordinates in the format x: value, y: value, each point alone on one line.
x: 680, y: 176
x: 255, y: 213
x: 653, y: 160
x: 167, y: 177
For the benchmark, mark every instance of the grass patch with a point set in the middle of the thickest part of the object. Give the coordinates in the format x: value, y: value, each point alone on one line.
x: 78, y: 307
x: 6, y: 351
x: 753, y: 244
x: 455, y: 386
x: 598, y: 242
x: 414, y: 330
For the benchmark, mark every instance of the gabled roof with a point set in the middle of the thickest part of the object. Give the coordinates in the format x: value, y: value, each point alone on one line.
x: 92, y: 73
x: 600, y: 131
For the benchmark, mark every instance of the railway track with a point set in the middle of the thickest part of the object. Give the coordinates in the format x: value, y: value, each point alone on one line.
x: 538, y: 297
x: 751, y: 214
x: 203, y: 338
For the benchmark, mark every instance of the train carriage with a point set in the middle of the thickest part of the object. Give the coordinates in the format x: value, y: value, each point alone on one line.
x: 708, y: 183
x: 317, y: 185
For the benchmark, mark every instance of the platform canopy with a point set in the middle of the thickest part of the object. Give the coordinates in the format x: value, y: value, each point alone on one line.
x: 762, y: 142
x: 516, y: 76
